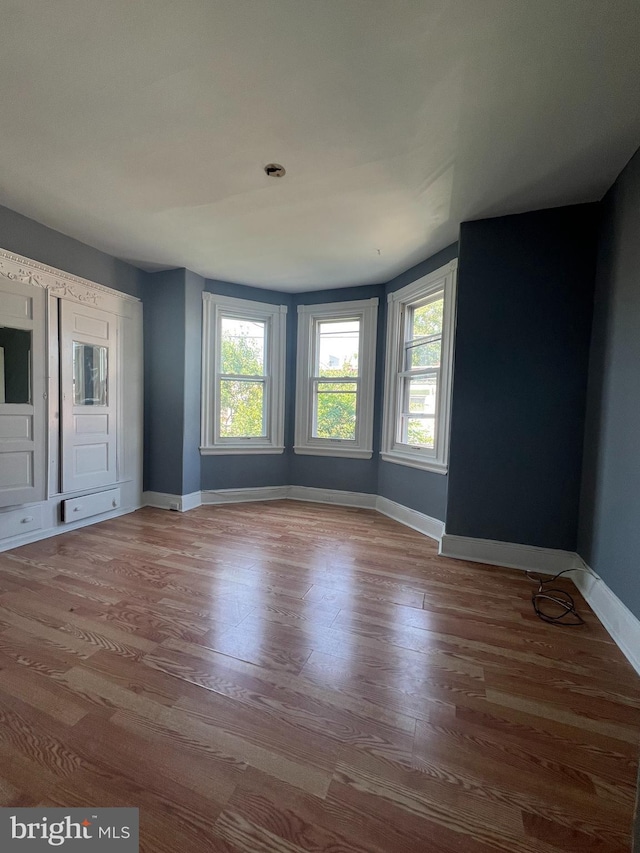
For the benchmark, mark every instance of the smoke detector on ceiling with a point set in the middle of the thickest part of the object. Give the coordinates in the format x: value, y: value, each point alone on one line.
x: 274, y: 170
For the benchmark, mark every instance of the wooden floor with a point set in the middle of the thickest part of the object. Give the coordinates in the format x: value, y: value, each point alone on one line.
x: 295, y: 677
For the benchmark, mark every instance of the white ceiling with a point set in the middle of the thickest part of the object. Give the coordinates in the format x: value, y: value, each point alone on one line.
x: 142, y: 128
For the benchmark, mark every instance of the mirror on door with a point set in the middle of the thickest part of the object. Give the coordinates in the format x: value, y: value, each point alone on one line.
x: 89, y: 374
x: 15, y: 365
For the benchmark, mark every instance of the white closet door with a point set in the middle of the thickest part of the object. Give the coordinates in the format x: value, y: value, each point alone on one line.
x: 89, y: 396
x: 22, y: 403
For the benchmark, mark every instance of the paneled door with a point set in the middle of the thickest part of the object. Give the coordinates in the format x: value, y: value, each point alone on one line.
x: 88, y: 345
x: 22, y: 388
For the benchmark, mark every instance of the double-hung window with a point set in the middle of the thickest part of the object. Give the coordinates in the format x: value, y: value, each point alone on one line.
x: 243, y: 368
x: 419, y: 355
x: 335, y: 378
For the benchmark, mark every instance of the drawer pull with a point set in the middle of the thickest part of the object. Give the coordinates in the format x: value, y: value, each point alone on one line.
x: 77, y: 508
x: 27, y: 519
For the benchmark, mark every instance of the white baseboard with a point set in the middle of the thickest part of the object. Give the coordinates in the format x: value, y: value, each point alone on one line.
x: 178, y: 503
x: 510, y: 554
x: 331, y: 496
x: 191, y: 501
x: 432, y: 527
x: 620, y: 622
x: 234, y: 496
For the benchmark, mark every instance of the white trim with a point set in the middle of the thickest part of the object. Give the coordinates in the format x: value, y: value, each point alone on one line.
x: 259, y: 449
x: 366, y: 311
x: 178, y: 503
x: 431, y: 527
x: 347, y: 452
x: 619, y: 621
x: 57, y: 282
x: 398, y: 458
x: 392, y: 450
x: 191, y: 501
x: 510, y: 554
x: 233, y: 496
x: 337, y: 497
x: 47, y: 533
x: 275, y: 318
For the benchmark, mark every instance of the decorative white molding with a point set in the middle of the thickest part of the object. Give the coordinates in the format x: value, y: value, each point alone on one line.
x: 432, y: 527
x: 509, y: 554
x: 233, y: 496
x: 177, y: 503
x: 616, y: 617
x: 331, y: 496
x: 57, y: 282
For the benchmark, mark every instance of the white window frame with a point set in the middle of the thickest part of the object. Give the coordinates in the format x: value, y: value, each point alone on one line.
x: 365, y: 310
x: 436, y: 459
x: 215, y: 307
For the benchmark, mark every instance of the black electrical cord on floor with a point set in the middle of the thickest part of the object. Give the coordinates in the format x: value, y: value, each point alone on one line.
x: 548, y: 599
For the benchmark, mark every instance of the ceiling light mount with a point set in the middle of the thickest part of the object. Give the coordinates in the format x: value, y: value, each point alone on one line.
x: 275, y: 170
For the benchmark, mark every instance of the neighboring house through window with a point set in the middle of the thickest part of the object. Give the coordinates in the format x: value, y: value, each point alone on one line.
x: 243, y: 368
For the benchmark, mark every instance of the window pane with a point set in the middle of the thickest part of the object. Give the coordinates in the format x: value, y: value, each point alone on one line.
x: 337, y: 348
x: 15, y: 365
x: 242, y: 347
x: 422, y: 394
x: 420, y: 431
x: 424, y: 355
x: 427, y: 319
x: 241, y: 408
x: 89, y: 375
x: 335, y: 410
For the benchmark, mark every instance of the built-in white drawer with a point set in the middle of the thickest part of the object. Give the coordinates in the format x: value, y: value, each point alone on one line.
x: 77, y: 508
x: 15, y: 522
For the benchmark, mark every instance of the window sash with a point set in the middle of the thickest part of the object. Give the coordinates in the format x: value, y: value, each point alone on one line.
x: 401, y: 350
x: 314, y: 383
x: 264, y: 378
x: 234, y: 377
x: 270, y: 360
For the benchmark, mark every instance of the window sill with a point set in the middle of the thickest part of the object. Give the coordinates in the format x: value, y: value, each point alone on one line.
x: 240, y: 450
x: 413, y: 462
x: 344, y: 452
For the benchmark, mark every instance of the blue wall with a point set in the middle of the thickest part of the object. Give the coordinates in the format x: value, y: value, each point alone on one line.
x: 33, y: 240
x: 193, y: 287
x: 525, y: 292
x: 164, y: 381
x: 609, y: 538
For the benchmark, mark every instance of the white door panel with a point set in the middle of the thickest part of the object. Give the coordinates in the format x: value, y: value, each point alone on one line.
x: 88, y: 348
x: 22, y: 388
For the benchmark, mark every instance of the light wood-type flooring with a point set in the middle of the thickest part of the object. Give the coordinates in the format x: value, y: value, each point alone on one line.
x: 284, y: 677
